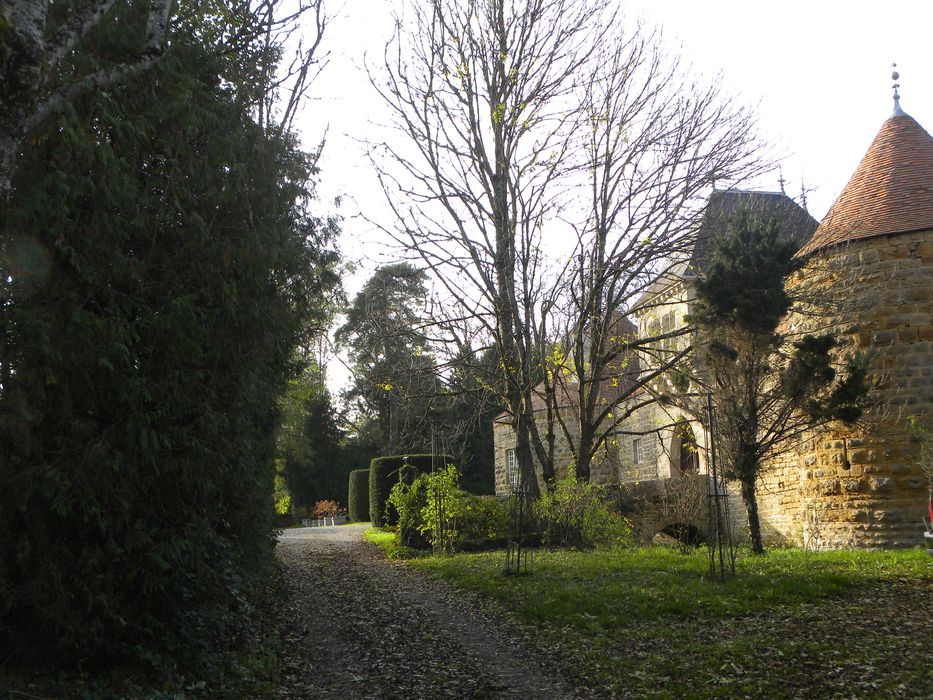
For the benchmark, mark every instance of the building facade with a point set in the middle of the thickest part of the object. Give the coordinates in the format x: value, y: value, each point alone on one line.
x: 872, y: 258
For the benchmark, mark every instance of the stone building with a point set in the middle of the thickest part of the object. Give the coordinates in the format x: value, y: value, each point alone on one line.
x: 660, y: 441
x: 875, y: 249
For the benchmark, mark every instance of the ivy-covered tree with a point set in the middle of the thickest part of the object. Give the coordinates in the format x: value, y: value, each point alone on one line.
x: 768, y: 388
x: 159, y: 267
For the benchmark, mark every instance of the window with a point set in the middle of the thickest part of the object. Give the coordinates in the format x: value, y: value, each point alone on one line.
x: 667, y: 326
x: 512, y: 466
x: 638, y: 454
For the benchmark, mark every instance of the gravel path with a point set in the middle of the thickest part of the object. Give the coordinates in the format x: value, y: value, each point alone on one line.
x: 357, y: 626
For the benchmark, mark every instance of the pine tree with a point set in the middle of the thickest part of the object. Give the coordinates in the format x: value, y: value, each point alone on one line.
x: 768, y: 389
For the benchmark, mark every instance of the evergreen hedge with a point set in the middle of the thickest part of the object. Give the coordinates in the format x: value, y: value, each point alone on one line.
x: 143, y: 360
x: 384, y: 472
x: 358, y: 496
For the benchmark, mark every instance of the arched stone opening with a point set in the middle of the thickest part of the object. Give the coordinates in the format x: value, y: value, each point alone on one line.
x: 685, y: 452
x: 685, y: 533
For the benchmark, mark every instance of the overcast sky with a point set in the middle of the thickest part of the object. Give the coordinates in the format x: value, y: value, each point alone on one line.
x: 817, y: 73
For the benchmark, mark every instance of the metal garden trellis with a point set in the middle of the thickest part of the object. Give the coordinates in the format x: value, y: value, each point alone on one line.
x: 720, y: 538
x: 516, y: 555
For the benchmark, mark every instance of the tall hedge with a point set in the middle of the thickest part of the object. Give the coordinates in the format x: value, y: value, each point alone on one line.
x: 143, y: 355
x: 358, y: 496
x: 384, y: 472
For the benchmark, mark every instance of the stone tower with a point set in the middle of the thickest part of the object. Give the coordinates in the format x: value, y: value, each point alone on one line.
x: 863, y: 487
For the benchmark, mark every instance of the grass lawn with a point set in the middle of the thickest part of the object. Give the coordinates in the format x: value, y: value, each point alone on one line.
x: 650, y: 623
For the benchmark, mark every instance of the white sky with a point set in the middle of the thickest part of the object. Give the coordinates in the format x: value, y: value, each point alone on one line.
x: 818, y: 71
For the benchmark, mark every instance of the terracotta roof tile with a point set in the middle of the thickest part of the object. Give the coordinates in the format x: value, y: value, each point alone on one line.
x: 891, y: 191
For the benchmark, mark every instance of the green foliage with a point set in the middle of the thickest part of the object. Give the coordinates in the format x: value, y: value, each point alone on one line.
x: 766, y: 394
x: 464, y: 419
x: 442, y: 512
x: 408, y: 501
x: 744, y: 284
x: 358, y: 495
x: 384, y: 472
x: 394, y: 371
x: 176, y: 267
x: 576, y: 514
x: 281, y: 498
x: 311, y: 443
x: 483, y: 522
x: 435, y: 512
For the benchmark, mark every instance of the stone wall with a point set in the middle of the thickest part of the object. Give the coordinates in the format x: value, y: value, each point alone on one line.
x: 863, y: 487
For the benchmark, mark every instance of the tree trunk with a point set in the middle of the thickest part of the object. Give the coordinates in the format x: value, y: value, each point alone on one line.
x: 394, y: 436
x: 526, y: 465
x: 751, y: 508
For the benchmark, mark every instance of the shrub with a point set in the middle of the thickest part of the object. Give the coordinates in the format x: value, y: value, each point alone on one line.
x: 384, y: 472
x: 444, y: 505
x: 136, y: 455
x: 434, y: 511
x: 484, y: 521
x: 327, y: 509
x: 358, y: 495
x: 409, y: 501
x: 576, y: 514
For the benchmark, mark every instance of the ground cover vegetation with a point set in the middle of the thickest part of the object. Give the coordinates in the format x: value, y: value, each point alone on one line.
x: 160, y: 267
x: 649, y: 622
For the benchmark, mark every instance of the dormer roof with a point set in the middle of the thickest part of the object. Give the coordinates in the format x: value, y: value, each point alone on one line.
x: 890, y: 192
x: 724, y: 205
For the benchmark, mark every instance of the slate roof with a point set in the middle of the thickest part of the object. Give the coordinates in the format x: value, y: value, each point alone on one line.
x: 891, y: 191
x: 794, y: 221
x: 723, y: 205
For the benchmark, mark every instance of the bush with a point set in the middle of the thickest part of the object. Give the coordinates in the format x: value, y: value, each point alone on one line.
x: 327, y: 509
x: 409, y: 501
x: 384, y: 472
x: 576, y: 514
x: 461, y: 521
x: 484, y: 522
x: 142, y: 367
x: 358, y: 495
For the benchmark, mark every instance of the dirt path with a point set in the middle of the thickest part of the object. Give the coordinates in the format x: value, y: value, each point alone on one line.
x: 356, y: 626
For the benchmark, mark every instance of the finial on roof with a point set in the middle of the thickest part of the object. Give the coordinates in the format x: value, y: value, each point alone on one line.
x: 803, y: 195
x: 898, y: 112
x: 781, y: 179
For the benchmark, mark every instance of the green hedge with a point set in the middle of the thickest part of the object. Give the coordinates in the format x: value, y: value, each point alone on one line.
x: 384, y: 472
x: 358, y: 496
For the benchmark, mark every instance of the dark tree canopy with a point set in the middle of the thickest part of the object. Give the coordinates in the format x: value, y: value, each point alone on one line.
x: 394, y: 373
x: 159, y: 267
x: 744, y: 284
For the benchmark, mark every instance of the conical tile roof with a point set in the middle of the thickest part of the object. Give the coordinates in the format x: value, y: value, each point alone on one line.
x: 891, y: 191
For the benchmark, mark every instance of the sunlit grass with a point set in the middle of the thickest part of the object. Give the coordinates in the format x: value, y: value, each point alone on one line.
x: 652, y: 621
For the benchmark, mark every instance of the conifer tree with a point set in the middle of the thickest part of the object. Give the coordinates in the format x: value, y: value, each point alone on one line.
x: 768, y: 388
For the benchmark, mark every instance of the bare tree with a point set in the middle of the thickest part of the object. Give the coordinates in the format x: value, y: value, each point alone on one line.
x: 655, y: 142
x: 482, y: 91
x: 512, y: 111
